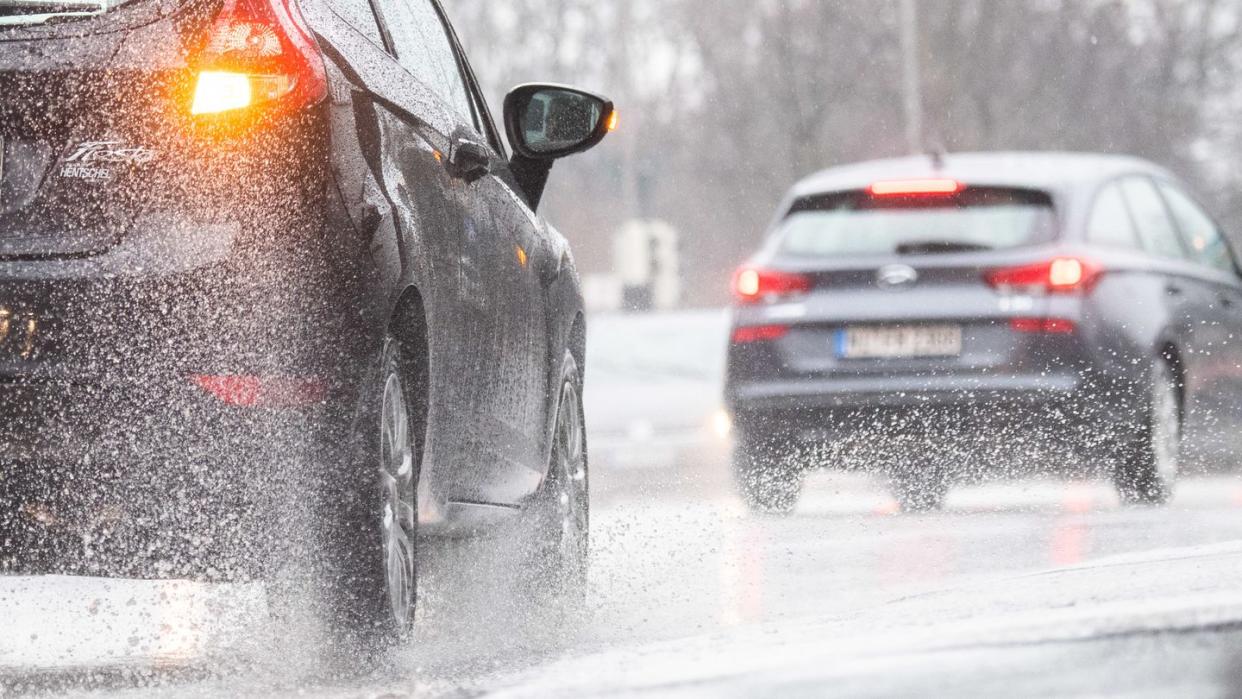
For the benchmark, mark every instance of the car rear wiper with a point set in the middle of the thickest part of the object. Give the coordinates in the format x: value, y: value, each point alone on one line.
x: 29, y: 12
x: 936, y: 247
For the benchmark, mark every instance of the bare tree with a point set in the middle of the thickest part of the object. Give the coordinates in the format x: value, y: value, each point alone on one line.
x: 725, y: 103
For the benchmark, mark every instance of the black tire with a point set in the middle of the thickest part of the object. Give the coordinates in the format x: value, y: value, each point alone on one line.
x: 1148, y: 471
x: 370, y: 567
x: 29, y: 547
x: 560, y: 513
x: 768, y: 479
x: 920, y: 489
x: 13, y: 539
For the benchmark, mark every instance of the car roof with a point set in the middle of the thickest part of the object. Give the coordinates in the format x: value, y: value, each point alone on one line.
x: 1047, y: 171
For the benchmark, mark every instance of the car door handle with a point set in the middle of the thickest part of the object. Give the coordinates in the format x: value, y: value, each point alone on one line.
x: 372, y: 215
x: 469, y: 160
x: 1174, y: 290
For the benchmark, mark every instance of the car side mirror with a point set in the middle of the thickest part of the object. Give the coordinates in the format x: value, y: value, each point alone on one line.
x: 547, y: 122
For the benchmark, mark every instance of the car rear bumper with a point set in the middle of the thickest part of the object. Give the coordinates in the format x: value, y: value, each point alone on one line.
x: 900, y: 391
x: 151, y: 480
x: 82, y: 324
x: 103, y: 360
x: 1054, y: 418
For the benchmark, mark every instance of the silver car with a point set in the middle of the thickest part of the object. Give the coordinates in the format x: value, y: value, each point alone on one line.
x: 985, y: 314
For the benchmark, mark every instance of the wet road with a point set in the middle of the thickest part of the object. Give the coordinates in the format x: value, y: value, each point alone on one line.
x: 1037, y: 588
x: 1041, y: 586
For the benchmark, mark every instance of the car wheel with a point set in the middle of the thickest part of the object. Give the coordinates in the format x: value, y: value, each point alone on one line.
x: 1147, y: 474
x: 922, y: 488
x: 372, y: 566
x: 31, y: 547
x: 13, y: 536
x: 767, y: 479
x: 561, y: 512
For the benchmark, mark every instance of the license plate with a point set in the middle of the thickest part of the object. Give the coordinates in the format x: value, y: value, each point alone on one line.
x: 900, y: 342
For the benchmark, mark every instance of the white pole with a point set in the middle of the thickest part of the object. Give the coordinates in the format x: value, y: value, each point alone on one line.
x: 912, y: 81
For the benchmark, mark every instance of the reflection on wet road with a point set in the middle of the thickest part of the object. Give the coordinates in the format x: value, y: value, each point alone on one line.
x: 846, y: 547
x: 686, y: 585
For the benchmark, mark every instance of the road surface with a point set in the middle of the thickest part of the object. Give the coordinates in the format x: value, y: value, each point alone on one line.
x: 1037, y: 587
x: 1033, y: 588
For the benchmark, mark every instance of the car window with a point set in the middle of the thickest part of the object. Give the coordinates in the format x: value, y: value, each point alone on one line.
x: 855, y: 224
x: 18, y: 13
x: 1155, y: 227
x: 1110, y: 223
x: 483, y: 115
x: 423, y: 48
x: 1199, y: 232
x: 361, y: 15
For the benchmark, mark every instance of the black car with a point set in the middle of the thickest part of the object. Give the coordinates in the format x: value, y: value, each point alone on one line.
x: 986, y: 314
x: 267, y: 274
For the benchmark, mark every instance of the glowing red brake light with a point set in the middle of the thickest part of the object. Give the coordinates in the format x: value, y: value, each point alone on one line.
x: 264, y: 391
x: 1060, y: 275
x: 752, y: 285
x: 1048, y: 326
x: 914, y: 188
x: 759, y: 333
x: 259, y: 52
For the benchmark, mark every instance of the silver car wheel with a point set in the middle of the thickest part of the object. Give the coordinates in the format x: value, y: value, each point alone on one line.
x: 571, y: 475
x: 397, y: 508
x: 1166, y: 430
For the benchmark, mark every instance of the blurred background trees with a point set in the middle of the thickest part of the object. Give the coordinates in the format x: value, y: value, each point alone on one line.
x: 725, y: 103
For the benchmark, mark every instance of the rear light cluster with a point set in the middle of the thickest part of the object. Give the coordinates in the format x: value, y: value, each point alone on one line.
x: 759, y: 333
x: 752, y: 285
x: 259, y: 53
x: 1045, y: 326
x: 1062, y: 275
x: 264, y: 391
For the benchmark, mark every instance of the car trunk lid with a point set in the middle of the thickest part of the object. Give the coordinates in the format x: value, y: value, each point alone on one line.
x: 867, y: 284
x: 914, y: 315
x: 89, y: 126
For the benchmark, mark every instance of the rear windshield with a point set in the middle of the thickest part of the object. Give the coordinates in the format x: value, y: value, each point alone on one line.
x: 32, y: 12
x: 857, y: 224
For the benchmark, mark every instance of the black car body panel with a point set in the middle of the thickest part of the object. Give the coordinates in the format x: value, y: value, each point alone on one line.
x: 144, y: 248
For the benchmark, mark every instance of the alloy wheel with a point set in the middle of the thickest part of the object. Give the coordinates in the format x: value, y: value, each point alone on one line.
x: 570, y: 476
x: 1166, y: 430
x: 397, y: 504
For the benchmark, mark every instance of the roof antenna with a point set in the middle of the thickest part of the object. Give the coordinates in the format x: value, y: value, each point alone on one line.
x: 936, y: 152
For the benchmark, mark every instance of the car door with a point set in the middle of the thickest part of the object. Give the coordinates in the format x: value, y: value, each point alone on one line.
x: 400, y: 196
x: 526, y: 364
x: 409, y: 117
x: 515, y: 242
x: 1190, y: 303
x: 1220, y: 332
x: 484, y: 367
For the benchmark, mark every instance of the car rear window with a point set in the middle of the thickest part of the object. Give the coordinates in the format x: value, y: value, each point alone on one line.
x: 17, y: 13
x: 858, y: 224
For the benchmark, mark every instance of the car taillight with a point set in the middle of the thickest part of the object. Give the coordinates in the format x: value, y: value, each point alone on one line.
x: 751, y: 285
x: 759, y: 333
x: 1060, y: 275
x: 264, y: 391
x: 259, y: 53
x: 1048, y: 326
